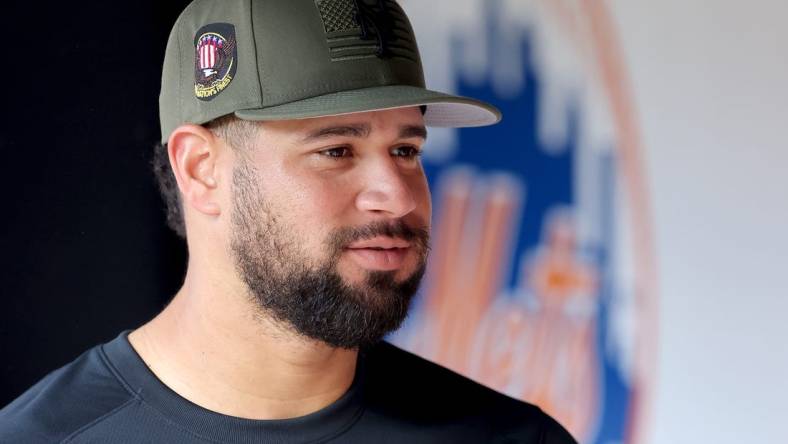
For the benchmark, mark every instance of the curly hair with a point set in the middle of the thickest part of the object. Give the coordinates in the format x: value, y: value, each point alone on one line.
x: 236, y: 132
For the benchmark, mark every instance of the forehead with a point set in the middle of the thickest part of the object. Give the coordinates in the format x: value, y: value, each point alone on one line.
x: 384, y: 122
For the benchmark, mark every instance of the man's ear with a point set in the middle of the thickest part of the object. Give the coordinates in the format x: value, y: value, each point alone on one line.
x: 193, y: 152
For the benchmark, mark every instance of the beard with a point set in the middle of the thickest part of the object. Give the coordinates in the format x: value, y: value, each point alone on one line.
x: 308, y: 296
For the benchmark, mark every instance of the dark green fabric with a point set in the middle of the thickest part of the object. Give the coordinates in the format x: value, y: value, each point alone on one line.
x: 108, y: 395
x: 292, y: 53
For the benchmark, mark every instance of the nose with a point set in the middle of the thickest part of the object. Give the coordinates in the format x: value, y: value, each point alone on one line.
x: 387, y: 190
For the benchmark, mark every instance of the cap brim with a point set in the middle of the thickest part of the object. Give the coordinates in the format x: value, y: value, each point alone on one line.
x: 443, y: 110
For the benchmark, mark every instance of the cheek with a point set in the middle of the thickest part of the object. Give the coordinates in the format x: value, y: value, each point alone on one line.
x: 310, y: 209
x: 319, y: 201
x: 421, y: 193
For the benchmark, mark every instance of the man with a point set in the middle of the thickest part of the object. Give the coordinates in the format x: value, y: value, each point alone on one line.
x: 291, y: 134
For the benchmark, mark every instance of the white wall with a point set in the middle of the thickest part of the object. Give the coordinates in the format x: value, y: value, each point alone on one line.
x: 709, y: 79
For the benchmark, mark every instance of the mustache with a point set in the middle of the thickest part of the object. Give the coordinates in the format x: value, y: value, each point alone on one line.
x: 396, y: 229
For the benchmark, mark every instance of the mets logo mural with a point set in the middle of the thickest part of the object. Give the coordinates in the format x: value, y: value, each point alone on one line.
x: 541, y: 281
x: 215, y: 59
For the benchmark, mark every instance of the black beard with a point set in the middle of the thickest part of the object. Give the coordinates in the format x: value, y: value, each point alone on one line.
x: 315, y: 301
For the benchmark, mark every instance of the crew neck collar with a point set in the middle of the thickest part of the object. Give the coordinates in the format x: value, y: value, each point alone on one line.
x: 330, y: 421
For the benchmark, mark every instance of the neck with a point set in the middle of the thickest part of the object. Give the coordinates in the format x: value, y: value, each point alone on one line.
x: 212, y: 347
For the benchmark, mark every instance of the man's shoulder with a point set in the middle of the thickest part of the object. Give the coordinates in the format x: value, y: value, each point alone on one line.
x: 65, y: 401
x: 402, y: 383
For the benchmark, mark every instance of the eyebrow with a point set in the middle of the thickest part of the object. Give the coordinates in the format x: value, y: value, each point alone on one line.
x: 408, y: 131
x: 362, y: 131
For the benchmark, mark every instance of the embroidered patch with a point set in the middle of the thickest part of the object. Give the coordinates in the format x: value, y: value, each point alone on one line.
x: 215, y: 59
x: 359, y: 29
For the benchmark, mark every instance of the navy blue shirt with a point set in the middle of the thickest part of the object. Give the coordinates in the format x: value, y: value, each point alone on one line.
x: 108, y: 395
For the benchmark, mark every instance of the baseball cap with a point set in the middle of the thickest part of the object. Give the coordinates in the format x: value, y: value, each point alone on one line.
x: 296, y: 59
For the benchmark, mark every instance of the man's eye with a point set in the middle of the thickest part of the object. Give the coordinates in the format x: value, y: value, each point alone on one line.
x: 407, y: 152
x: 336, y: 153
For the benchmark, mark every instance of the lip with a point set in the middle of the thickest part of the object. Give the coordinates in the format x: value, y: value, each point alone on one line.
x: 374, y: 259
x: 380, y: 242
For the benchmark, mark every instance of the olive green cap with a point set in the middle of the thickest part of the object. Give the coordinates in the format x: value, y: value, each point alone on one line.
x: 295, y: 59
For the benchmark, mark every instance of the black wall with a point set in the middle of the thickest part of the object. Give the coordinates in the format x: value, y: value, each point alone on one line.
x: 84, y: 252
